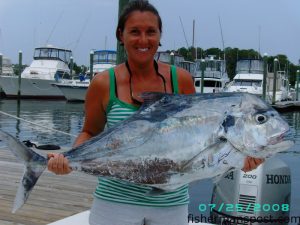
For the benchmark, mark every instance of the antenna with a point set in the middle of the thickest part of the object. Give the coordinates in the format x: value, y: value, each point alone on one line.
x: 54, y: 27
x: 187, y: 44
x: 222, y: 36
x: 82, y: 31
x: 258, y: 41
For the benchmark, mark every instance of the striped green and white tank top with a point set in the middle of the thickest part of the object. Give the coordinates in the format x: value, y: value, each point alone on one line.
x: 124, y: 192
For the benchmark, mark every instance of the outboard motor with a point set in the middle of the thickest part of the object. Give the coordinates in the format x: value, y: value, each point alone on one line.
x: 259, y: 197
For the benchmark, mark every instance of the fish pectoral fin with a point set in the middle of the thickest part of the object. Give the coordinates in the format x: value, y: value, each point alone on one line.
x: 202, y: 153
x: 155, y: 191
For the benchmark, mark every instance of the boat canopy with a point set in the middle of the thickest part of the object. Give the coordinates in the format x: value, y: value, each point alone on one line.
x: 51, y: 53
x: 165, y: 57
x: 247, y: 83
x: 105, y: 56
x: 250, y: 66
x: 214, y: 68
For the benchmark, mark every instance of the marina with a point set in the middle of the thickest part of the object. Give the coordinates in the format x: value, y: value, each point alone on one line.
x: 49, y: 65
x: 42, y: 94
x: 75, y: 89
x: 57, y: 197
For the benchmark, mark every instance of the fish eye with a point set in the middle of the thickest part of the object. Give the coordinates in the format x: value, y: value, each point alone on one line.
x: 260, y: 118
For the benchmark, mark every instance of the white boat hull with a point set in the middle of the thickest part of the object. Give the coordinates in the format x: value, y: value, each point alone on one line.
x: 83, y: 219
x: 73, y: 92
x: 30, y: 88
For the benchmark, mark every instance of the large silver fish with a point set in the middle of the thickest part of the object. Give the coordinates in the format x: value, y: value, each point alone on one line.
x: 172, y: 140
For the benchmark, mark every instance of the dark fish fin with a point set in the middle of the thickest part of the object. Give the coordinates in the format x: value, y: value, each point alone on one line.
x: 151, y: 97
x: 34, y: 163
x: 155, y: 191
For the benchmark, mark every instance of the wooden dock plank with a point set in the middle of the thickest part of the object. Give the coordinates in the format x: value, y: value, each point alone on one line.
x: 53, y: 197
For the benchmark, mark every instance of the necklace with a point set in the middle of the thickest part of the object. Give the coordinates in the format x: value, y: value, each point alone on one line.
x: 134, y: 99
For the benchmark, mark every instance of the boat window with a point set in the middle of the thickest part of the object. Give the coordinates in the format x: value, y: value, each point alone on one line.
x: 104, y: 57
x: 247, y: 83
x: 61, y: 75
x: 250, y: 66
x: 197, y: 83
x: 52, y: 54
x: 212, y: 83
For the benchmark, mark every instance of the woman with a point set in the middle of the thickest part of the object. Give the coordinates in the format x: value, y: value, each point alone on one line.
x: 112, y: 97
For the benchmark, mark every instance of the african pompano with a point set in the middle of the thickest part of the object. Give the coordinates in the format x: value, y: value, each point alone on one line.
x: 171, y: 141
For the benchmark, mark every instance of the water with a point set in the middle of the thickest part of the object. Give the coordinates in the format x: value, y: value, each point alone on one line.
x: 58, y: 115
x: 69, y: 118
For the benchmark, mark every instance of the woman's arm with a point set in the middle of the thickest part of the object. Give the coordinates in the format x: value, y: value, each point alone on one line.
x: 185, y: 82
x: 96, y: 101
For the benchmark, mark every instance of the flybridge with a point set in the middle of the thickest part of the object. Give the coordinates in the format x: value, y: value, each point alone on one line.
x: 52, y: 53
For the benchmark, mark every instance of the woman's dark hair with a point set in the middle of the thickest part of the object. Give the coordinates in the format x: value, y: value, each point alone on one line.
x: 137, y: 5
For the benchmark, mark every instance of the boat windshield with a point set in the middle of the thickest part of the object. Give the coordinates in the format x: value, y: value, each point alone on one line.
x: 189, y: 66
x: 53, y: 54
x: 209, y: 83
x: 166, y: 57
x: 254, y: 66
x: 248, y: 83
x: 104, y: 56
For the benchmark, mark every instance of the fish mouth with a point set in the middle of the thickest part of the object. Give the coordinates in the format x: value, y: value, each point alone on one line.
x: 281, y: 142
x: 286, y: 136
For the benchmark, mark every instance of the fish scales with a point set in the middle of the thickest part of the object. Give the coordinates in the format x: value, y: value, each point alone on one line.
x: 171, y: 141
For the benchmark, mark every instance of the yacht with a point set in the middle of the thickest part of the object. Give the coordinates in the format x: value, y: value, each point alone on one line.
x: 49, y: 65
x: 248, y: 78
x: 166, y: 57
x: 282, y: 92
x: 75, y: 90
x: 215, y: 75
x: 5, y: 70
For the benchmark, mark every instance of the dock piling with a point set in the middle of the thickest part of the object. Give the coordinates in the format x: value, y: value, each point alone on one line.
x: 1, y: 63
x: 265, y: 58
x: 71, y: 65
x: 274, y: 81
x: 91, y: 64
x: 202, y: 65
x: 19, y: 74
x: 297, y: 83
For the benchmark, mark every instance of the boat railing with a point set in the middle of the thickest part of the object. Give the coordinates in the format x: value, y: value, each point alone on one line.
x: 210, y: 74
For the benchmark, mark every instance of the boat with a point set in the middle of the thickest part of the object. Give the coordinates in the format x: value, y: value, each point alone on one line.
x: 282, y: 92
x: 215, y: 75
x: 169, y: 57
x: 189, y: 66
x: 248, y: 78
x: 82, y: 218
x: 75, y: 89
x: 49, y: 65
x: 6, y: 69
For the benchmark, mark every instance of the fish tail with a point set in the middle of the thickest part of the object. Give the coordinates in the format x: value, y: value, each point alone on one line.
x: 34, y: 164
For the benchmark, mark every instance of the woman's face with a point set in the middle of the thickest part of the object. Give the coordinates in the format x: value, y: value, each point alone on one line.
x: 141, y: 36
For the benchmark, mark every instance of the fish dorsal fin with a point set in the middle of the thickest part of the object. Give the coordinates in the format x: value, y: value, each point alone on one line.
x: 151, y: 97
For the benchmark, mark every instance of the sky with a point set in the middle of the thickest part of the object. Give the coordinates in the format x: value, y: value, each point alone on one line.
x: 268, y: 26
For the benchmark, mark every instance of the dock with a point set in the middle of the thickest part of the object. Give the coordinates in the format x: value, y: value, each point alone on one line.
x: 53, y: 198
x: 287, y: 106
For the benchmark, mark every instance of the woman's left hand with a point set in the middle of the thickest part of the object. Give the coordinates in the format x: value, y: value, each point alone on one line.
x: 251, y: 163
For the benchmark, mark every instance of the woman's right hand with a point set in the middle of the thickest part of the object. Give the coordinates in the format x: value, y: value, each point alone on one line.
x: 58, y: 164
